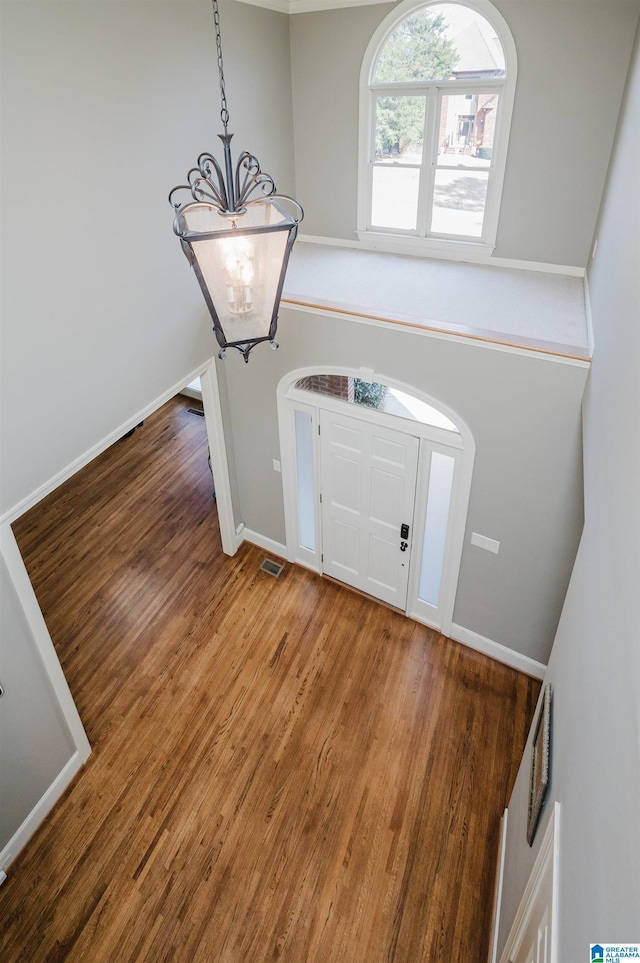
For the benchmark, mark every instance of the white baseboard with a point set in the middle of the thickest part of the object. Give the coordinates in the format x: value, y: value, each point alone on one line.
x: 191, y: 393
x: 40, y: 811
x: 262, y: 541
x: 499, y: 652
x: 62, y: 476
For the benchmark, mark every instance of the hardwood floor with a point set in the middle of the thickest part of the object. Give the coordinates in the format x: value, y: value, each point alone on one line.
x: 282, y: 770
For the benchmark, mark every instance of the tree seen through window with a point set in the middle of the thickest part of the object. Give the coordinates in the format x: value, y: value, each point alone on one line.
x: 418, y: 49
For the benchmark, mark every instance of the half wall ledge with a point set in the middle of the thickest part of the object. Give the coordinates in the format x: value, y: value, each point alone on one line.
x: 504, y: 307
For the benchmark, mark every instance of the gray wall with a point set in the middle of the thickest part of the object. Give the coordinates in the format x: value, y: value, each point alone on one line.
x: 572, y: 61
x: 524, y: 414
x: 105, y: 106
x: 595, y: 663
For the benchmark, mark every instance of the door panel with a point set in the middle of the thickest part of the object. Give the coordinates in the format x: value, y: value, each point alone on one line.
x: 345, y: 482
x: 385, y: 450
x: 368, y: 477
x: 382, y: 564
x: 386, y: 492
x: 535, y: 947
x: 345, y: 546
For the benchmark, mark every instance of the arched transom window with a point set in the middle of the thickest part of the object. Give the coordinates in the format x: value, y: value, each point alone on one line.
x: 437, y: 92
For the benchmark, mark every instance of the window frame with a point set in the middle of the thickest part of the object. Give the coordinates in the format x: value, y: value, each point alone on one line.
x: 422, y: 241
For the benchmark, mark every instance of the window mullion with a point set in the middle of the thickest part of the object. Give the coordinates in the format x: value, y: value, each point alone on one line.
x: 372, y: 129
x: 371, y: 157
x: 425, y: 198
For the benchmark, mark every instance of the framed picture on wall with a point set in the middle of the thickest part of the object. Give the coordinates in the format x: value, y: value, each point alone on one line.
x: 539, y: 779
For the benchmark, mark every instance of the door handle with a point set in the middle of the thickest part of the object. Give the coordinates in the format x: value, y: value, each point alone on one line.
x: 1, y: 690
x: 403, y: 546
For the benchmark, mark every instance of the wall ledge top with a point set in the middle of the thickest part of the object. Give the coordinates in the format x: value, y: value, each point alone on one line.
x: 308, y: 6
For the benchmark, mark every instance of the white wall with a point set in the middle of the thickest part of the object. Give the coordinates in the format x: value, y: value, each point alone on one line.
x: 572, y: 61
x: 524, y: 414
x: 595, y: 663
x: 105, y: 107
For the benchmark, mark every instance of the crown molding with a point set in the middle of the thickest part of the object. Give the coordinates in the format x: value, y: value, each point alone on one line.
x: 280, y: 6
x: 308, y: 6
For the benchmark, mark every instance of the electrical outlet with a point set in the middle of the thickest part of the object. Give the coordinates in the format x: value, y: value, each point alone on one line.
x: 276, y: 465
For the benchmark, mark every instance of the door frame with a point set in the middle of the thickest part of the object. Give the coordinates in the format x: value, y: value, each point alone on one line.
x: 40, y: 639
x: 459, y: 444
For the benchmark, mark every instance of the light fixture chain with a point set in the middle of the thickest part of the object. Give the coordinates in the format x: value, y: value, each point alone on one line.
x: 224, y: 112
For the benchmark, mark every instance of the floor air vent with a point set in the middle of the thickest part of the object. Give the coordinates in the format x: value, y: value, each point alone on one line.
x: 271, y: 567
x: 195, y: 411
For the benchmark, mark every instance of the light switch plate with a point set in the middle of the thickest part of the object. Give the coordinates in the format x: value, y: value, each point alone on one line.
x: 483, y: 542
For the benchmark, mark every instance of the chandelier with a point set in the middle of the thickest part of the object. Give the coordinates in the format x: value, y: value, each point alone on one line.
x: 237, y: 235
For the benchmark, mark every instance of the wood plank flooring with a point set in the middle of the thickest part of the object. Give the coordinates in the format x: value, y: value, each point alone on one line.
x: 282, y: 770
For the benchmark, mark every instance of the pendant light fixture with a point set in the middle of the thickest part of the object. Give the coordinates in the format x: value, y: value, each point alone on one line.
x: 237, y: 235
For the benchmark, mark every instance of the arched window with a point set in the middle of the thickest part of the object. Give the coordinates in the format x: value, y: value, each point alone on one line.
x: 437, y: 89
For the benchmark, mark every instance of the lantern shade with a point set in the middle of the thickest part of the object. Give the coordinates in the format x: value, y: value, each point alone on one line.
x: 236, y: 237
x: 240, y: 260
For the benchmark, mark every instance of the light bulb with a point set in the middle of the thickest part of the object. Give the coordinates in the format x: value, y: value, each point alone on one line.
x: 239, y: 265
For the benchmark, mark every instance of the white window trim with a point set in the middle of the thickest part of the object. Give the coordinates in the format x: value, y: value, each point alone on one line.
x: 406, y: 243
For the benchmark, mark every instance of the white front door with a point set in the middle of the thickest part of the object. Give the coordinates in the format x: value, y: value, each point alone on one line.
x: 368, y: 484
